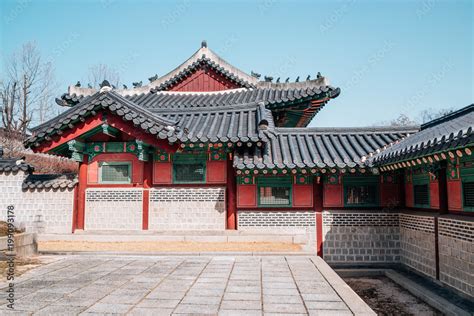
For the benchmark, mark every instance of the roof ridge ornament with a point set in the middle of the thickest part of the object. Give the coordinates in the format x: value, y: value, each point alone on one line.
x: 204, y: 44
x: 255, y: 74
x: 105, y: 86
x: 153, y: 78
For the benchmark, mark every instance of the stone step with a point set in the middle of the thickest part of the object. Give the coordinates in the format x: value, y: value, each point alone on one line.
x: 283, y: 237
x: 241, y: 232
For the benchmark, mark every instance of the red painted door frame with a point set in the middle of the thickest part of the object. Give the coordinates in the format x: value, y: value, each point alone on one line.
x: 318, y: 208
x: 231, y: 196
x: 147, y: 184
x: 81, y: 193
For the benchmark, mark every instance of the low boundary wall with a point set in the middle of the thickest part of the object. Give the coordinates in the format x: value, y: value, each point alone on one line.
x: 358, y: 237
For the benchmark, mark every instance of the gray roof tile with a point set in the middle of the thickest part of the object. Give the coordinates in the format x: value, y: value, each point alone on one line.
x: 318, y: 147
x: 50, y: 181
x: 13, y: 164
x: 235, y: 123
x: 448, y: 132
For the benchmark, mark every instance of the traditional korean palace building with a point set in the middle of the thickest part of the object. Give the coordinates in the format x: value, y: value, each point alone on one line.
x: 210, y: 147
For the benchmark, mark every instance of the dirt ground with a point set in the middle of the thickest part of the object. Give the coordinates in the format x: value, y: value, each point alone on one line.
x: 4, y: 229
x: 161, y: 246
x: 387, y: 298
x: 21, y: 266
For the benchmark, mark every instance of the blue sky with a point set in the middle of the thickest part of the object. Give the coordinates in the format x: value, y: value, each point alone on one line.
x: 388, y: 57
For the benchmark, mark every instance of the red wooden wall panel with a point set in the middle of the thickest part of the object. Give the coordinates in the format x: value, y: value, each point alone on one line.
x: 409, y: 202
x: 216, y: 172
x: 162, y: 173
x: 389, y: 194
x: 434, y: 195
x: 93, y: 166
x: 332, y: 195
x: 454, y: 195
x: 247, y: 195
x: 205, y: 80
x: 93, y: 172
x: 303, y: 195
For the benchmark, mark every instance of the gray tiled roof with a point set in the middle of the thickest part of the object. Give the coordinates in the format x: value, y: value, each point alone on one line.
x: 12, y: 164
x: 318, y: 147
x: 233, y: 123
x: 272, y: 97
x: 202, y: 58
x: 50, y: 181
x: 128, y: 111
x: 449, y: 132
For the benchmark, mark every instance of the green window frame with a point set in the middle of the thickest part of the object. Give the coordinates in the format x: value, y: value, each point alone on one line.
x: 189, y: 168
x: 421, y: 182
x: 274, y: 192
x: 361, y: 191
x: 468, y: 195
x: 103, y: 166
x: 467, y: 181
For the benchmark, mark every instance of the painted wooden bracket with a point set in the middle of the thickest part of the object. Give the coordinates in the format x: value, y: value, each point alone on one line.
x: 77, y: 149
x: 142, y: 150
x: 109, y: 131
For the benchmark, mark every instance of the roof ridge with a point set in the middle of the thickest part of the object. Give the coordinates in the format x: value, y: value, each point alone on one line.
x: 70, y: 110
x: 210, y: 109
x: 362, y: 130
x: 140, y: 109
x: 448, y: 116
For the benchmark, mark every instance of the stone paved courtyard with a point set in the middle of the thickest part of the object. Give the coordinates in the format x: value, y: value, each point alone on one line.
x: 223, y: 285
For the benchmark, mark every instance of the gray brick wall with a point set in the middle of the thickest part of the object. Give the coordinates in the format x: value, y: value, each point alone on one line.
x: 114, y: 209
x: 417, y: 243
x: 288, y: 221
x: 38, y: 210
x: 361, y: 237
x: 456, y: 253
x: 187, y: 209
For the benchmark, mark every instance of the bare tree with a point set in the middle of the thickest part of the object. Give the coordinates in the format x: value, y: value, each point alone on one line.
x: 401, y: 120
x: 49, y: 88
x: 26, y: 91
x: 101, y: 72
x: 432, y: 114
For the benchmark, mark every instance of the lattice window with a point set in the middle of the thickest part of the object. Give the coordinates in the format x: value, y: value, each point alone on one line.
x: 421, y: 194
x: 274, y: 191
x: 189, y: 168
x: 361, y: 191
x: 468, y: 195
x: 115, y: 172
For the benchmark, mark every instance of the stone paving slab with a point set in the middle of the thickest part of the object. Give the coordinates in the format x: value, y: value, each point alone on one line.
x: 173, y: 285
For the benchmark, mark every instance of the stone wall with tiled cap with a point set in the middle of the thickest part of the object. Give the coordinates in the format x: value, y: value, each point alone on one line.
x: 46, y: 210
x: 368, y: 237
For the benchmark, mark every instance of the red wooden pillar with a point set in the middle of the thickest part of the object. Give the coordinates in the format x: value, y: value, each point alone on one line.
x: 231, y: 196
x: 81, y: 192
x: 147, y: 184
x: 318, y: 208
x: 74, y: 209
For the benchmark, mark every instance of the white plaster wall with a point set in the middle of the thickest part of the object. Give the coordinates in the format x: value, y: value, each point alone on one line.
x: 187, y: 209
x: 42, y: 211
x: 113, y: 209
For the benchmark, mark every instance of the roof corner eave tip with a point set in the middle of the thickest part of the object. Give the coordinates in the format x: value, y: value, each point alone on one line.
x: 335, y: 93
